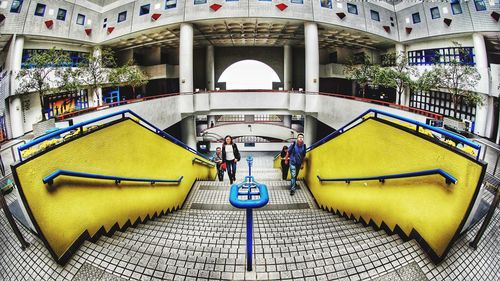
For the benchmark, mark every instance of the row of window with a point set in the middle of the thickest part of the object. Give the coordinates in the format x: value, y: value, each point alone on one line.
x: 77, y: 58
x: 441, y: 103
x: 464, y: 55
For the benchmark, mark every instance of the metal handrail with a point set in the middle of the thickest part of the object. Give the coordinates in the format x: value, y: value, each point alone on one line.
x: 94, y: 120
x: 449, y: 178
x: 486, y: 147
x: 50, y: 178
x: 249, y: 204
x: 418, y: 124
x: 11, y: 147
x: 199, y: 161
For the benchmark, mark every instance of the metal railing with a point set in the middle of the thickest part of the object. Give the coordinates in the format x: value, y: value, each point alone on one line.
x: 11, y: 147
x: 117, y: 179
x: 377, y: 113
x: 496, y: 151
x: 122, y: 113
x: 249, y: 204
x: 449, y: 178
x: 201, y: 162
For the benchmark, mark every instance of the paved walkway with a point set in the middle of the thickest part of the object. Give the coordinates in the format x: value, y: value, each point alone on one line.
x: 293, y: 240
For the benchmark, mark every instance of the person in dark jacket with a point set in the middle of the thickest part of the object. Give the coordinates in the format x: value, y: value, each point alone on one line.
x: 218, y: 161
x: 284, y: 162
x: 231, y: 156
x: 297, y: 153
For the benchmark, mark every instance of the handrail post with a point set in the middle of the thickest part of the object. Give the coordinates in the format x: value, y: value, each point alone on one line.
x: 487, y: 220
x: 249, y: 237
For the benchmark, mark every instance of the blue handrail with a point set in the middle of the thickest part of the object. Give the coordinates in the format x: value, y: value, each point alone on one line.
x: 249, y: 183
x: 50, y: 178
x: 94, y: 120
x: 376, y: 112
x: 449, y: 178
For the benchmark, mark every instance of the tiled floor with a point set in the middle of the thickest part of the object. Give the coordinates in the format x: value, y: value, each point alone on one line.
x: 292, y: 240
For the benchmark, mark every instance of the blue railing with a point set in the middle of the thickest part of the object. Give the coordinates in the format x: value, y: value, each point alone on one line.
x: 376, y: 113
x: 449, y: 178
x: 50, y: 178
x: 80, y: 126
x: 249, y: 204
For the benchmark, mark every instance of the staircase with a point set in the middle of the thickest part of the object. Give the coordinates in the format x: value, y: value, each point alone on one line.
x: 293, y: 239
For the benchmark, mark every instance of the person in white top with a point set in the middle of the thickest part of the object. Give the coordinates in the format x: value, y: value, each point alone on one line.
x: 230, y: 155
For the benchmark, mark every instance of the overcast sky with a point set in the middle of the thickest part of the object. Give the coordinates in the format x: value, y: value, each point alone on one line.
x: 249, y: 74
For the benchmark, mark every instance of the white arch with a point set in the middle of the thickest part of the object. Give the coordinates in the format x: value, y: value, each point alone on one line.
x: 249, y: 74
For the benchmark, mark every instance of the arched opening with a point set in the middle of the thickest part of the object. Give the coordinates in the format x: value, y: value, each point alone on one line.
x: 249, y: 74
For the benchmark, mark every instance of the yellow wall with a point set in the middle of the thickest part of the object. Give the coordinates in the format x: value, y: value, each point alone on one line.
x: 123, y: 149
x: 426, y: 204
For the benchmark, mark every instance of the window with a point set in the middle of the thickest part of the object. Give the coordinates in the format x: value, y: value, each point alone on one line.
x: 16, y: 6
x: 352, y: 9
x: 170, y: 4
x: 105, y: 23
x: 198, y: 2
x: 80, y: 19
x: 40, y: 10
x: 144, y: 9
x: 76, y: 58
x: 455, y: 7
x: 61, y: 14
x: 416, y: 17
x: 326, y: 4
x: 480, y: 5
x: 297, y: 1
x: 464, y: 55
x: 122, y: 16
x: 375, y: 15
x: 441, y: 103
x: 435, y: 13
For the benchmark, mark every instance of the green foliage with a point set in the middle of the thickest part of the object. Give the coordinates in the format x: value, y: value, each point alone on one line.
x: 96, y: 71
x: 39, y: 77
x: 130, y: 75
x: 360, y: 70
x: 459, y: 79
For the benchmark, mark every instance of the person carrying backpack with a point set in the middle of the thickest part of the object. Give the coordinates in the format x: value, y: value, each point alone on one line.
x: 297, y: 154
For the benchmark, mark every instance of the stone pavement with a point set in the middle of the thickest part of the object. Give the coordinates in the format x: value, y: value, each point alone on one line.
x: 293, y: 239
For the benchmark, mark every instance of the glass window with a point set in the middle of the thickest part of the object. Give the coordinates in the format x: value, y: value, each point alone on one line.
x: 61, y: 14
x: 40, y: 10
x: 326, y: 4
x: 455, y: 7
x: 352, y: 9
x: 144, y: 9
x: 169, y: 4
x: 16, y: 6
x: 375, y: 15
x: 416, y: 17
x: 105, y: 23
x: 80, y: 19
x: 297, y: 1
x: 122, y: 16
x: 435, y: 13
x: 480, y: 5
x: 198, y: 2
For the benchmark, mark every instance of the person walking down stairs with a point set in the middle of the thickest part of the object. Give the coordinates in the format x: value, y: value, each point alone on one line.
x: 297, y: 154
x: 230, y: 156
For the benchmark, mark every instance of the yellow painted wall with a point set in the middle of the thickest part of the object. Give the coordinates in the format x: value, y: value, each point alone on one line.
x: 426, y: 204
x: 123, y: 149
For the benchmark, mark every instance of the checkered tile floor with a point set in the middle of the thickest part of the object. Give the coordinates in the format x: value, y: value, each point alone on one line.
x: 292, y: 240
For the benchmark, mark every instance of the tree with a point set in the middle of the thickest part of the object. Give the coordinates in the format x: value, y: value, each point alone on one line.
x: 458, y: 77
x: 130, y: 75
x: 39, y: 75
x: 396, y: 74
x: 96, y: 70
x: 361, y: 69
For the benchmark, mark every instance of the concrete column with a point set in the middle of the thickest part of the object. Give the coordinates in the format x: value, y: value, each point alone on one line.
x: 498, y: 129
x: 403, y: 99
x: 210, y: 120
x: 481, y: 60
x: 490, y: 122
x: 287, y: 76
x: 97, y: 92
x: 16, y: 116
x: 15, y: 102
x: 210, y: 68
x: 309, y: 130
x: 287, y: 121
x: 186, y: 58
x: 188, y: 131
x: 312, y: 56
